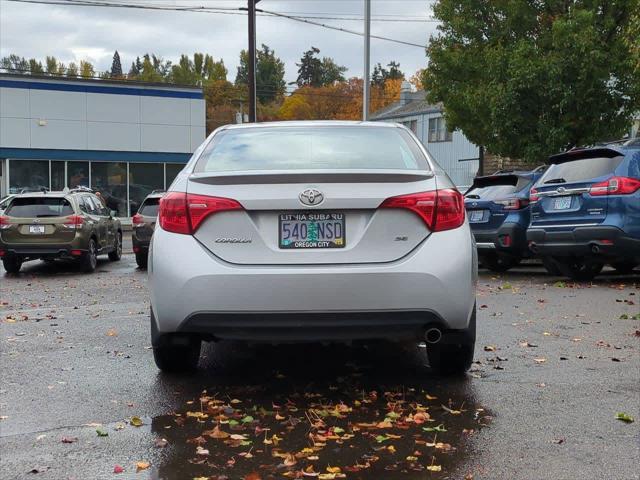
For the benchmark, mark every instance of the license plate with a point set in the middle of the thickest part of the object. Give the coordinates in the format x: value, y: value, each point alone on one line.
x: 311, y: 230
x: 562, y: 203
x: 38, y: 229
x: 476, y: 216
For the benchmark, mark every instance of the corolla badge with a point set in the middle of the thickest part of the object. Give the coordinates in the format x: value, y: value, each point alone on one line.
x: 311, y: 197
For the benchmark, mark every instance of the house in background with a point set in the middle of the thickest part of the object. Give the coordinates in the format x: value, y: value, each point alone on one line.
x: 452, y: 150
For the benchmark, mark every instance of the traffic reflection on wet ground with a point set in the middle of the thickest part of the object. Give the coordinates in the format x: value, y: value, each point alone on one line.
x: 328, y: 412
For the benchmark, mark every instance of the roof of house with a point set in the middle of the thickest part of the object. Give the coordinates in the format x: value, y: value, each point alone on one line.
x: 416, y: 104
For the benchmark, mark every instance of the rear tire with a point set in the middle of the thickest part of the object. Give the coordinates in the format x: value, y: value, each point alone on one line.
x: 116, y: 254
x: 499, y: 263
x: 578, y: 268
x: 448, y: 359
x: 624, y: 268
x: 89, y: 260
x: 551, y: 266
x: 174, y: 352
x: 142, y: 259
x: 12, y: 264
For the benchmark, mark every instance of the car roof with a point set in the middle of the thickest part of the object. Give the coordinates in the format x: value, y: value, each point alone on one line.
x: 313, y: 123
x: 608, y: 151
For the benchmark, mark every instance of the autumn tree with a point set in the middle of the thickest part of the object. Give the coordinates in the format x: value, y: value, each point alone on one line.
x: 529, y: 79
x: 380, y: 74
x: 86, y: 69
x: 270, y: 82
x: 72, y: 70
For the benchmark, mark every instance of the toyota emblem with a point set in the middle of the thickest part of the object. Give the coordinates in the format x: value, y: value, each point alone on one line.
x: 311, y: 197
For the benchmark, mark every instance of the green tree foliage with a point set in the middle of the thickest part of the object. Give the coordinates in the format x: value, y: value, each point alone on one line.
x: 116, y: 66
x: 72, y: 70
x: 154, y: 69
x: 199, y: 71
x: 313, y: 72
x: 528, y: 79
x: 54, y: 67
x: 35, y: 67
x: 136, y: 68
x: 270, y: 82
x: 380, y: 75
x: 86, y: 69
x: 15, y: 64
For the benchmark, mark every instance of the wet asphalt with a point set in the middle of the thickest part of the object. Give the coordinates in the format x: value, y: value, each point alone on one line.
x: 555, y: 362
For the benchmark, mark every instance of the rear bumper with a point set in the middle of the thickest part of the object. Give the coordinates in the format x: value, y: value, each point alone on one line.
x: 193, y: 291
x: 41, y: 251
x: 603, y: 241
x: 141, y: 246
x: 510, y: 238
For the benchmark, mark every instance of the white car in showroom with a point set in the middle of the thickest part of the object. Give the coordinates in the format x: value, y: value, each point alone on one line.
x: 312, y: 231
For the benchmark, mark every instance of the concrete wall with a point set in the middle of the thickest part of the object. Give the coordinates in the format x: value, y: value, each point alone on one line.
x: 145, y: 119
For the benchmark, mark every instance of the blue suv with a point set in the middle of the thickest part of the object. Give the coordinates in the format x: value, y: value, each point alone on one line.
x: 585, y: 210
x: 498, y: 211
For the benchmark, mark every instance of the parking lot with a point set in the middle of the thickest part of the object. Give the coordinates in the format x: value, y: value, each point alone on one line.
x: 555, y: 362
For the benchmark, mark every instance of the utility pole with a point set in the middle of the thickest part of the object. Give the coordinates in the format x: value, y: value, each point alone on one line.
x: 251, y: 70
x: 366, y: 77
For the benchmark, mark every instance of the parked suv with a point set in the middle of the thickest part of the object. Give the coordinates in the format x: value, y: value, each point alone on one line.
x: 144, y: 223
x: 498, y: 211
x: 50, y: 225
x: 585, y: 210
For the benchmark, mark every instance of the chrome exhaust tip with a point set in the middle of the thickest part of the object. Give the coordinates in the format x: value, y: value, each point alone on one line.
x: 433, y: 335
x: 595, y: 248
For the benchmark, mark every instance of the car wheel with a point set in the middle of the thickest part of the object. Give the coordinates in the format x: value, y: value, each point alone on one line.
x: 116, y: 254
x: 625, y: 268
x: 551, y: 266
x: 177, y: 358
x: 141, y: 259
x: 451, y: 359
x: 89, y: 260
x: 12, y: 264
x: 498, y: 262
x: 578, y: 269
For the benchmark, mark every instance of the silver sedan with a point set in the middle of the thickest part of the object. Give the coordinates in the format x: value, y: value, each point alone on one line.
x: 312, y: 231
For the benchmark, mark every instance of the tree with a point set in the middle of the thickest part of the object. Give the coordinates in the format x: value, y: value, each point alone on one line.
x: 331, y: 71
x: 528, y: 79
x: 86, y: 69
x: 72, y: 70
x: 35, y: 67
x: 54, y: 67
x: 15, y: 64
x: 136, y: 68
x: 116, y: 66
x: 394, y: 72
x: 154, y: 69
x: 270, y: 82
x: 199, y: 71
x: 317, y: 73
x: 380, y: 74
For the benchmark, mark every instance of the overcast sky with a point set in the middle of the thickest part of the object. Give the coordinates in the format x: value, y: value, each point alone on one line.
x: 73, y: 33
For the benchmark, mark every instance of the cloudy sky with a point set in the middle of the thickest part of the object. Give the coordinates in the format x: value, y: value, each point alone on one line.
x: 74, y: 33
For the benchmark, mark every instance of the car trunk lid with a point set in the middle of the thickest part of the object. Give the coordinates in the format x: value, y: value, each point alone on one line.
x: 490, y: 199
x: 39, y: 220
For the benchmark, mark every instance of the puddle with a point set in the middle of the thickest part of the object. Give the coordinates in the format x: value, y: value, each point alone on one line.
x: 319, y: 412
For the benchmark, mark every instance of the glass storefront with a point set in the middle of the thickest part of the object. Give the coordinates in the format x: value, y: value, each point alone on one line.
x: 143, y: 179
x: 123, y: 185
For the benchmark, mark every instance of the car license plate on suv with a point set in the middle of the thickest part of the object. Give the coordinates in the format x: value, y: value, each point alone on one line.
x: 311, y: 230
x: 37, y: 229
x: 562, y: 203
x: 476, y: 216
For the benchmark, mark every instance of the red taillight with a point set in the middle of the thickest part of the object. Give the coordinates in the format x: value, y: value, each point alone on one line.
x: 137, y: 220
x: 4, y: 222
x: 512, y: 203
x: 533, y: 195
x: 2, y: 252
x: 615, y: 186
x: 441, y: 210
x: 184, y: 212
x: 76, y: 253
x: 74, y: 221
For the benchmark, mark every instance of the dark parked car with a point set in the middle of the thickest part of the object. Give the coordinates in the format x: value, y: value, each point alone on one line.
x: 498, y: 211
x: 144, y: 223
x: 51, y: 225
x: 585, y: 210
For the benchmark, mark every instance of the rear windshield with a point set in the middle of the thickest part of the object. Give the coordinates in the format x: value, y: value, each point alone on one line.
x: 150, y: 207
x: 39, y: 207
x: 311, y: 147
x: 500, y: 190
x: 580, y: 170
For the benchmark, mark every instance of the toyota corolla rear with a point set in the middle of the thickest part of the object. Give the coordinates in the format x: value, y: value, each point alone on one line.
x: 312, y: 231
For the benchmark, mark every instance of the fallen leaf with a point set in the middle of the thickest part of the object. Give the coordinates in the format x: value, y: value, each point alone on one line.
x: 136, y: 421
x: 118, y: 469
x: 624, y: 417
x: 142, y: 466
x: 216, y: 433
x: 489, y: 348
x: 540, y: 360
x: 112, y: 332
x: 160, y: 443
x: 101, y: 432
x: 434, y: 468
x: 202, y: 451
x: 69, y: 439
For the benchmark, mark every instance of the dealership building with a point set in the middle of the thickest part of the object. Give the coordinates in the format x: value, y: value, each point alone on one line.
x: 123, y: 139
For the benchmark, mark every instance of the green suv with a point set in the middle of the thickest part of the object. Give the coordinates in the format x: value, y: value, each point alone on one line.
x: 144, y: 223
x: 68, y: 225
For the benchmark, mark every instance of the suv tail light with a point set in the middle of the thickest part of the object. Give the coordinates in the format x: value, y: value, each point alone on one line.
x: 184, y: 212
x: 74, y: 222
x: 440, y: 209
x: 4, y: 222
x: 512, y: 203
x: 533, y: 195
x: 615, y: 186
x: 137, y: 220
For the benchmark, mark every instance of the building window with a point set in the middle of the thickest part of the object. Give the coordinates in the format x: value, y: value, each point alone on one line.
x: 438, y: 131
x: 411, y: 125
x: 110, y: 179
x: 28, y: 175
x: 57, y: 176
x: 143, y: 179
x: 173, y: 169
x: 77, y: 174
